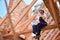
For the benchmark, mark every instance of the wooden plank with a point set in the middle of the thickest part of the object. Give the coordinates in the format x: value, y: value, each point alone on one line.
x: 48, y: 34
x: 43, y: 34
x: 58, y: 38
x: 51, y: 9
x: 25, y: 11
x: 56, y: 35
x: 10, y: 22
x: 30, y: 31
x: 59, y: 1
x: 56, y: 11
x: 1, y: 36
x: 48, y: 6
x: 11, y: 3
x: 52, y: 34
x: 10, y: 13
x: 26, y: 23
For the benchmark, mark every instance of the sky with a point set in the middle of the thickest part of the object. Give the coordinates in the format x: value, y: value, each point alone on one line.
x: 3, y: 8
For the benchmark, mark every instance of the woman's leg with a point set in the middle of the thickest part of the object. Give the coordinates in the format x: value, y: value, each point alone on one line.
x: 39, y: 27
x: 34, y: 32
x: 34, y: 29
x: 33, y: 36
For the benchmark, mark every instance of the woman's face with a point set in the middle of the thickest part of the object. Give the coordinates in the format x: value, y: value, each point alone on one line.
x: 42, y: 14
x: 44, y: 17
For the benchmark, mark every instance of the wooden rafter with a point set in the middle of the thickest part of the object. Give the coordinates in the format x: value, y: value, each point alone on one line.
x: 32, y: 17
x: 11, y: 3
x: 10, y: 22
x: 59, y: 1
x: 25, y: 11
x: 3, y: 20
x: 28, y: 21
x: 56, y: 11
x: 1, y: 37
x: 56, y: 35
x: 51, y: 9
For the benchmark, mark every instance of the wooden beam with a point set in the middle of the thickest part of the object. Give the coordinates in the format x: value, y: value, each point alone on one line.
x: 30, y: 31
x: 56, y: 35
x: 55, y: 0
x: 58, y: 38
x: 11, y: 3
x: 1, y: 30
x: 32, y: 17
x: 52, y: 34
x: 56, y: 11
x: 48, y: 6
x: 3, y: 20
x: 51, y: 9
x: 51, y: 27
x: 26, y: 23
x: 10, y: 22
x: 1, y: 36
x: 59, y: 1
x: 11, y: 34
x: 25, y: 11
x: 46, y: 38
x: 43, y: 34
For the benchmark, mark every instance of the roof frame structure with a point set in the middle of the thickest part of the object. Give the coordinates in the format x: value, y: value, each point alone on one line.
x: 52, y: 8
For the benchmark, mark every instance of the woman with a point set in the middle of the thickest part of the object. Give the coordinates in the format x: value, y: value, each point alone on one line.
x: 40, y: 24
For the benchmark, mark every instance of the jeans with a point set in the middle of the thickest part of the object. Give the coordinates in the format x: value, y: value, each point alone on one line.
x: 37, y: 28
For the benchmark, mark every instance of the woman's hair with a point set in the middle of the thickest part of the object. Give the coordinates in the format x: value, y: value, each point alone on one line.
x: 41, y: 12
x: 41, y: 19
